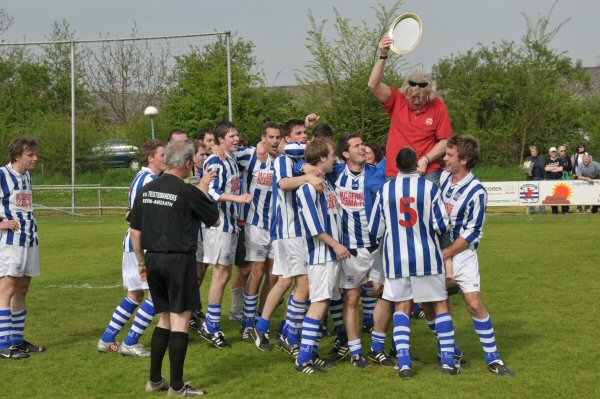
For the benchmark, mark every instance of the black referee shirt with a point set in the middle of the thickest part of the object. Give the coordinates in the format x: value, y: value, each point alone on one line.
x: 168, y: 212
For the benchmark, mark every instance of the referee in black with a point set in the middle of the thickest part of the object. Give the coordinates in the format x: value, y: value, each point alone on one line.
x: 164, y: 222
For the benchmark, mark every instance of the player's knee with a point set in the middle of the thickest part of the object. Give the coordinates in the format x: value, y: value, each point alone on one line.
x: 137, y: 296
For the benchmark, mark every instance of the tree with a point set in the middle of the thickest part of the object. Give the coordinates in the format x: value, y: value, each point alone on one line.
x: 127, y: 76
x: 334, y: 82
x: 6, y: 20
x: 199, y: 99
x: 514, y: 95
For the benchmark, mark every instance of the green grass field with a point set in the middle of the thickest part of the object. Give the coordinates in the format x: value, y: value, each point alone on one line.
x: 540, y: 283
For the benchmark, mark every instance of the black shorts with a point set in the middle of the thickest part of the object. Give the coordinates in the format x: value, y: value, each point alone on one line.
x: 240, y: 250
x: 173, y: 281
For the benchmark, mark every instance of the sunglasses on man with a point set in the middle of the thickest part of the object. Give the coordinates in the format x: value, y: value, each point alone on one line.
x: 420, y: 84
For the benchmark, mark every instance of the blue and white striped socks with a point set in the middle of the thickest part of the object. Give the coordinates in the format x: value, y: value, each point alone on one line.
x: 18, y: 326
x: 5, y: 327
x: 444, y: 328
x: 119, y: 319
x: 142, y: 320
x: 213, y: 318
x: 295, y: 315
x: 377, y: 341
x: 485, y: 330
x: 402, y: 338
x: 250, y: 303
x: 310, y: 338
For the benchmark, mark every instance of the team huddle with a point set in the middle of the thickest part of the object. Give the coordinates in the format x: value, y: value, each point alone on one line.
x: 322, y: 216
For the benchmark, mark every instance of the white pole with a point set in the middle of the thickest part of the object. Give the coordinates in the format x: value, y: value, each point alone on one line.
x: 73, y: 127
x: 229, y: 105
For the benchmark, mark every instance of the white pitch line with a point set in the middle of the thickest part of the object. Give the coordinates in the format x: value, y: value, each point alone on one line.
x: 78, y: 286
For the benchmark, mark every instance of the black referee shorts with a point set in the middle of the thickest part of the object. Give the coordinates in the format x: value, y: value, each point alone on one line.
x: 173, y: 281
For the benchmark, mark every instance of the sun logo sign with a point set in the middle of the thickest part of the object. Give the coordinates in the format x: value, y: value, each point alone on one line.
x: 561, y: 193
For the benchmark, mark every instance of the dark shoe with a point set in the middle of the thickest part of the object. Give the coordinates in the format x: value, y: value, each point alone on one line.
x: 382, y: 358
x: 28, y: 347
x: 499, y: 368
x: 13, y: 353
x: 451, y: 370
x: 308, y: 368
x: 459, y: 360
x: 359, y: 361
x: 339, y: 351
x: 322, y: 363
x: 260, y: 340
x: 217, y: 339
x: 405, y: 372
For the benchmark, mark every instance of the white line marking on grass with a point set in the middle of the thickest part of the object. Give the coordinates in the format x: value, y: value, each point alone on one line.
x: 78, y: 286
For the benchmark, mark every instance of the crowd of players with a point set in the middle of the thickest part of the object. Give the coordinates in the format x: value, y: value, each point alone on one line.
x: 331, y: 217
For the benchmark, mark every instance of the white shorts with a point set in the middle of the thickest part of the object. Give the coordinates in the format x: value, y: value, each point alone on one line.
x: 323, y: 281
x: 258, y: 243
x: 290, y: 256
x: 466, y: 270
x: 376, y: 274
x: 418, y: 288
x: 131, y: 274
x: 277, y: 269
x: 354, y: 271
x: 16, y: 261
x: 219, y: 247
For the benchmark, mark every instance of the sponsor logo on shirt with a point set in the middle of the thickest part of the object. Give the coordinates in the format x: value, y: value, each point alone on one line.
x: 264, y: 178
x: 351, y: 199
x: 235, y: 184
x: 23, y: 200
x: 429, y: 121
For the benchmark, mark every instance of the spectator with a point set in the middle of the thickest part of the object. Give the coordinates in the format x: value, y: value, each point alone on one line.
x: 554, y: 167
x: 576, y: 160
x: 588, y: 171
x: 534, y: 167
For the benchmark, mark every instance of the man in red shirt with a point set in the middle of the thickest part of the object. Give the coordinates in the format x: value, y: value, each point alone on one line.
x: 419, y: 119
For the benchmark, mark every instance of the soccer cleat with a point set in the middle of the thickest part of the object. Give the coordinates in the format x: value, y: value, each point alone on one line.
x: 236, y: 316
x: 499, y: 368
x: 295, y: 351
x: 217, y: 339
x: 308, y: 368
x: 135, y: 350
x: 284, y: 345
x: 367, y: 329
x: 162, y: 385
x: 393, y: 352
x: 459, y: 360
x: 405, y: 372
x: 451, y: 370
x: 382, y: 358
x: 13, y: 353
x: 187, y: 391
x: 245, y: 332
x: 359, y: 361
x: 26, y: 346
x: 107, y: 346
x: 339, y: 351
x: 197, y: 319
x: 322, y: 363
x: 260, y: 340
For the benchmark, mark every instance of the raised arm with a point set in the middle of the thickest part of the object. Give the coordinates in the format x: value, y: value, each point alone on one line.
x: 381, y: 91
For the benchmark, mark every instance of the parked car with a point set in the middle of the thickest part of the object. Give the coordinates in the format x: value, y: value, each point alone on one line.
x: 115, y: 153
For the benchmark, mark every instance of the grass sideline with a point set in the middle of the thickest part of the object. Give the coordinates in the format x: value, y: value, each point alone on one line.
x: 539, y: 277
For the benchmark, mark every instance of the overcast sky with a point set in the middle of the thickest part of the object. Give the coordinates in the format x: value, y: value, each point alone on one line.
x: 278, y: 27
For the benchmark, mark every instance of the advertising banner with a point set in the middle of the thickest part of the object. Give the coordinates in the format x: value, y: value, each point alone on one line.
x: 546, y: 192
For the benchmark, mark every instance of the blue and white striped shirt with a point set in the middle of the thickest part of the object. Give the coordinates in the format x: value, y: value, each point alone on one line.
x: 259, y: 183
x: 227, y: 182
x: 320, y: 214
x: 350, y: 192
x: 410, y: 211
x: 17, y: 204
x: 285, y: 219
x: 465, y: 203
x: 143, y: 177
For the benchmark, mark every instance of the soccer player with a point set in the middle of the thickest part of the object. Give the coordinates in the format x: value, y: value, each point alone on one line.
x: 220, y: 242
x: 207, y: 137
x: 257, y: 215
x: 410, y: 212
x: 198, y: 171
x: 19, y: 247
x: 153, y: 154
x: 348, y: 180
x: 288, y: 242
x: 324, y: 250
x: 465, y: 199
